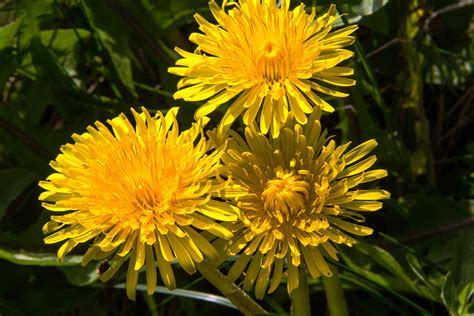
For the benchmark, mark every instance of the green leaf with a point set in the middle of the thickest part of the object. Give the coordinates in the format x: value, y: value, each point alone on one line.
x: 186, y: 293
x: 358, y: 9
x: 27, y: 258
x: 63, y: 40
x: 387, y: 261
x: 449, y: 295
x: 417, y: 269
x: 58, y: 86
x: 9, y: 62
x: 14, y: 182
x: 8, y: 32
x: 169, y: 13
x: 33, y: 13
x: 465, y: 300
x: 81, y: 276
x: 111, y: 32
x: 463, y: 265
x: 367, y: 7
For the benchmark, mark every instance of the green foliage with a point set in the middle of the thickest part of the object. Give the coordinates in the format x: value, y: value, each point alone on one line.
x: 67, y: 63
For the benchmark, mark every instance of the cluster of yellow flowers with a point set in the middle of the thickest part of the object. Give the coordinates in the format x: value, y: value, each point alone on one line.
x: 279, y: 196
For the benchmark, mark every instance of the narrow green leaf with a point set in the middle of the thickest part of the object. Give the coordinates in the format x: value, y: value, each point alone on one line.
x: 449, y: 295
x: 26, y: 258
x: 387, y: 261
x: 186, y: 293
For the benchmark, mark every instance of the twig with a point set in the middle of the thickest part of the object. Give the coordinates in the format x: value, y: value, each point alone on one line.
x: 438, y: 231
x: 446, y: 9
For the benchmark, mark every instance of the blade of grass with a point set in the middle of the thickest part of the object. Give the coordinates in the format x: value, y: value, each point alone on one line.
x: 186, y: 293
x: 398, y: 296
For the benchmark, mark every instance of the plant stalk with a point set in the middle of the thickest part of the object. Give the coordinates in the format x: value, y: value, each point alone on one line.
x: 300, y: 305
x: 234, y: 293
x: 334, y: 294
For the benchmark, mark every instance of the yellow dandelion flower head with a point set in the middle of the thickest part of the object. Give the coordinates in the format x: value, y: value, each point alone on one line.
x: 138, y: 193
x: 298, y: 197
x: 273, y: 60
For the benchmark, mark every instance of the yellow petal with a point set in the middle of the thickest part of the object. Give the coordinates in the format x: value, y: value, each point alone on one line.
x: 354, y: 229
x: 165, y: 269
x: 150, y: 270
x: 132, y: 277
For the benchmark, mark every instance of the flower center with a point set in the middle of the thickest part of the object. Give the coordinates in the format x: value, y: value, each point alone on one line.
x: 155, y: 196
x: 272, y: 63
x: 286, y: 194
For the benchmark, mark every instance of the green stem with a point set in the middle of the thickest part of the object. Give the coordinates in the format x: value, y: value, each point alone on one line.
x: 300, y: 305
x: 151, y: 304
x: 234, y: 293
x: 335, y: 296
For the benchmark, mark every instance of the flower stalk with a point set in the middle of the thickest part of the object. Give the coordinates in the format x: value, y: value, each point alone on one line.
x: 234, y: 293
x: 334, y: 294
x: 300, y: 304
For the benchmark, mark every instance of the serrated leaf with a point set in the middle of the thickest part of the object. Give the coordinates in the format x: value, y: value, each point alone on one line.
x: 33, y: 13
x: 113, y: 34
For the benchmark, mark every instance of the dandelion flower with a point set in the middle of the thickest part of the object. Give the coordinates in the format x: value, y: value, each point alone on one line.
x: 270, y: 60
x: 298, y: 197
x: 138, y: 194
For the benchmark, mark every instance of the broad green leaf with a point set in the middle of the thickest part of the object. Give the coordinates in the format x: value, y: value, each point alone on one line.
x: 8, y: 32
x: 14, y: 182
x: 58, y: 86
x: 367, y: 7
x: 358, y: 9
x: 63, y: 40
x: 81, y: 276
x: 114, y: 35
x: 169, y: 13
x: 33, y: 13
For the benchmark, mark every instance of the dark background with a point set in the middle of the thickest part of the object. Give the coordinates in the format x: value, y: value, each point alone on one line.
x: 66, y: 63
